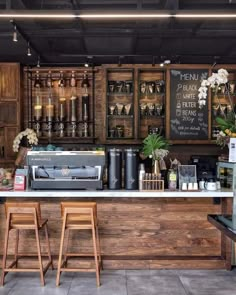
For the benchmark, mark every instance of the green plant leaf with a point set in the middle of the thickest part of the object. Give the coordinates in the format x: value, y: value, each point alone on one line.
x: 153, y: 142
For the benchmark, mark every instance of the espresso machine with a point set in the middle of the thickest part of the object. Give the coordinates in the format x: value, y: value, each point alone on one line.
x: 66, y: 170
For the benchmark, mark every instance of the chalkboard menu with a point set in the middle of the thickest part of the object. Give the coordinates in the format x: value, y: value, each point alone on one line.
x: 187, y: 120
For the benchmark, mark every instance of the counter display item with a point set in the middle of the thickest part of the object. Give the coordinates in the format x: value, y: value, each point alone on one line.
x: 114, y: 169
x: 131, y: 169
x: 66, y: 170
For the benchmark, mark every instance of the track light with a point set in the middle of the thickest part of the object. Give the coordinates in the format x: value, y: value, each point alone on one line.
x: 86, y: 64
x: 15, y: 39
x: 165, y: 63
x: 153, y: 61
x: 215, y: 61
x: 119, y: 60
x: 28, y: 50
x: 38, y: 63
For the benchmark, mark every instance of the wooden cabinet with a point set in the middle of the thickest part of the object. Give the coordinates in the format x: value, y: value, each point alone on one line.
x: 223, y: 101
x: 120, y: 104
x: 60, y: 104
x: 151, y: 101
x: 9, y: 82
x: 10, y: 110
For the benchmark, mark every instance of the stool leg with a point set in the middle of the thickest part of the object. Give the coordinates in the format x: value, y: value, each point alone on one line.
x: 96, y: 256
x: 60, y: 252
x: 5, y: 249
x: 48, y: 246
x: 39, y: 257
x: 99, y: 249
x: 16, y: 246
x: 66, y: 248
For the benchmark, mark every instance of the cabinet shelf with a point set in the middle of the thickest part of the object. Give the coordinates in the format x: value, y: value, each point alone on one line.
x: 119, y: 94
x: 151, y: 117
x: 152, y: 94
x: 57, y: 122
x: 66, y: 139
x: 121, y: 117
x: 115, y: 138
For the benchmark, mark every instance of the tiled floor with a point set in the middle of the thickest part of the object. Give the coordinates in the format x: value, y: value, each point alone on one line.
x: 126, y: 282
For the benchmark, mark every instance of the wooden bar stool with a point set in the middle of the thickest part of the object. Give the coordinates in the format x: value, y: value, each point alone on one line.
x: 79, y: 216
x: 26, y: 216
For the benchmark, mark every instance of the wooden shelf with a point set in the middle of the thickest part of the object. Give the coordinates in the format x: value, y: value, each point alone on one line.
x: 152, y: 94
x: 130, y: 117
x: 119, y: 94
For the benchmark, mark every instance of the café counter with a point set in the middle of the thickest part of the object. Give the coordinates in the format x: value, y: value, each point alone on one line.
x: 139, y: 229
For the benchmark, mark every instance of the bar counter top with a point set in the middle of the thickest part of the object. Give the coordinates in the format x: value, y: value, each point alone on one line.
x: 224, y: 193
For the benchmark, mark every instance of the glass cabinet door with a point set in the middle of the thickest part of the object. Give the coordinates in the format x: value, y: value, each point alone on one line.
x: 226, y: 172
x: 151, y: 94
x: 120, y: 104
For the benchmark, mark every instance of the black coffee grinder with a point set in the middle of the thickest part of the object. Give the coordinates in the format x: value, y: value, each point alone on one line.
x: 131, y: 169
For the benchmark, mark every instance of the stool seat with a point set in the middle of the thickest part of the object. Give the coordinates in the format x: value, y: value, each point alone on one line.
x: 78, y: 225
x: 26, y: 216
x: 25, y: 223
x: 79, y: 216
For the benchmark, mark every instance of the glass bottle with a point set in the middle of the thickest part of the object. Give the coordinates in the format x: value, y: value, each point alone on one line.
x: 172, y: 179
x: 141, y: 176
x: 37, y: 81
x: 61, y: 82
x: 49, y: 82
x: 73, y: 107
x: 85, y: 80
x: 73, y: 80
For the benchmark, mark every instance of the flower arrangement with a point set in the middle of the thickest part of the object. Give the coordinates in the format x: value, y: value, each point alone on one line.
x: 29, y: 135
x: 226, y: 122
x: 155, y: 147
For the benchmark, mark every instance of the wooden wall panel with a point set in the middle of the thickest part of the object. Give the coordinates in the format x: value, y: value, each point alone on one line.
x: 142, y: 233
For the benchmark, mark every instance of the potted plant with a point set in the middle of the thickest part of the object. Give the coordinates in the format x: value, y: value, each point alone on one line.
x: 156, y: 147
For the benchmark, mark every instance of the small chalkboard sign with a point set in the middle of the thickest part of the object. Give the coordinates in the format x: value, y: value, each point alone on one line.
x: 187, y: 120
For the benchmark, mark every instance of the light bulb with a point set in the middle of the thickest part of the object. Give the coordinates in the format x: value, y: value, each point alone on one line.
x: 28, y: 50
x: 15, y: 35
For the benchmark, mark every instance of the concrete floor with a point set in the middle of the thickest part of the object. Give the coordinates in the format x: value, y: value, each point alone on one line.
x: 126, y: 282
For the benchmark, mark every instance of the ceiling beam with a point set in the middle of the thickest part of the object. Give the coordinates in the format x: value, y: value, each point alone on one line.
x: 135, y: 33
x: 116, y: 32
x: 80, y: 25
x: 8, y: 4
x: 172, y: 5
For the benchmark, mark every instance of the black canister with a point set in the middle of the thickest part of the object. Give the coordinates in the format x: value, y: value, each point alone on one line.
x: 131, y: 169
x: 114, y: 169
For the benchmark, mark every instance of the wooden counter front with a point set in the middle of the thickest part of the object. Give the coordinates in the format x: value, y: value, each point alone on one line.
x: 142, y: 233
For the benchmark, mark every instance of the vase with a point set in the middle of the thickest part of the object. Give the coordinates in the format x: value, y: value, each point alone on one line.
x: 21, y: 157
x: 156, y: 167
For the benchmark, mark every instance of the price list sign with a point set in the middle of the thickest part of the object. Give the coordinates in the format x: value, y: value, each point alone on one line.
x: 187, y: 120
